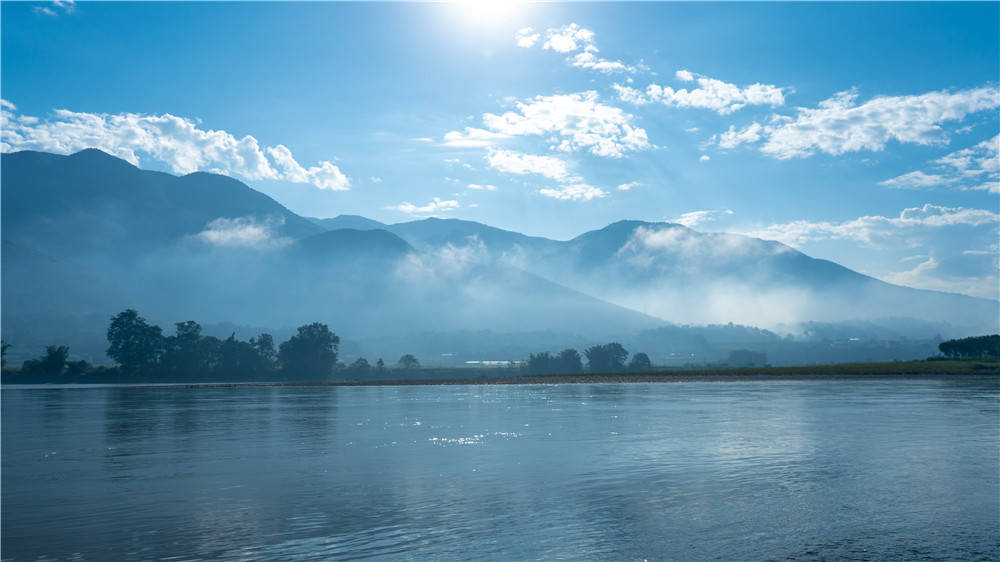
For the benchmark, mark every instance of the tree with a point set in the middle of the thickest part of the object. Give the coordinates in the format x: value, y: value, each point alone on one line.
x: 4, y: 346
x: 409, y: 362
x: 133, y: 343
x: 51, y: 364
x: 264, y: 346
x: 640, y: 362
x: 360, y: 366
x: 186, y: 352
x: 312, y: 352
x: 606, y: 358
x: 569, y: 361
x: 380, y: 365
x: 540, y: 363
x: 979, y: 346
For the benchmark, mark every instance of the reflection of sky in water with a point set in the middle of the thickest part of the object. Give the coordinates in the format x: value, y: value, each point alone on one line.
x: 690, y: 470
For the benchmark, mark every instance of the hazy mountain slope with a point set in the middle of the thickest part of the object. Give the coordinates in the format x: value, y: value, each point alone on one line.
x: 91, y: 202
x: 356, y: 222
x: 105, y: 235
x: 681, y: 275
x: 433, y: 233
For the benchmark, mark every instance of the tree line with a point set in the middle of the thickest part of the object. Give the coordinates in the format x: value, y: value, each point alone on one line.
x: 979, y: 346
x: 609, y: 357
x: 140, y: 349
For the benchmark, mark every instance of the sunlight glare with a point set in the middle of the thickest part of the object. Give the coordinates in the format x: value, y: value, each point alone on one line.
x: 486, y: 12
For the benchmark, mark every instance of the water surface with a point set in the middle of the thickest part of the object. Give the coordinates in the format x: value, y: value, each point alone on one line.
x: 866, y: 470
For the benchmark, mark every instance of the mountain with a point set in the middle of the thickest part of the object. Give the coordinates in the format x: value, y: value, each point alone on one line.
x: 684, y: 276
x: 93, y: 203
x: 356, y: 222
x: 88, y: 234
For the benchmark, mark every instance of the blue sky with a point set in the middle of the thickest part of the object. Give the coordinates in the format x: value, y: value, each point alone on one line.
x: 865, y: 134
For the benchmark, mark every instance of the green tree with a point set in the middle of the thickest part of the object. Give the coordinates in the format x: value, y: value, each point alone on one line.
x: 409, y: 362
x: 979, y: 346
x: 640, y: 362
x: 136, y: 345
x: 51, y: 364
x: 264, y: 346
x: 569, y: 361
x: 606, y: 358
x: 540, y: 363
x: 4, y: 346
x: 360, y: 366
x: 312, y: 352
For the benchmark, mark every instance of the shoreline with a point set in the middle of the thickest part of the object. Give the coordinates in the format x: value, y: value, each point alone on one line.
x: 597, y: 378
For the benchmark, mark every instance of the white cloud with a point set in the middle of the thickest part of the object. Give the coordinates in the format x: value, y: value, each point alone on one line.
x: 704, y: 158
x: 375, y: 179
x: 871, y: 229
x: 568, y: 38
x: 177, y: 142
x: 968, y: 273
x: 511, y: 162
x: 57, y: 6
x: 526, y: 37
x: 570, y: 187
x: 976, y: 168
x: 733, y: 138
x: 324, y: 176
x: 694, y: 218
x: 482, y: 187
x: 244, y: 232
x: 437, y: 205
x: 628, y: 186
x: 574, y: 191
x: 7, y: 105
x: 472, y: 138
x: 839, y: 125
x: 721, y: 97
x: 576, y: 121
x: 590, y: 61
x: 422, y: 139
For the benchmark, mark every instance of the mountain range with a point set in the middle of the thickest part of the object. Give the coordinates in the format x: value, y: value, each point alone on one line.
x: 88, y: 234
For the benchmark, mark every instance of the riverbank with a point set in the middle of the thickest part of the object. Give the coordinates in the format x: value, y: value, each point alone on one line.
x: 849, y: 371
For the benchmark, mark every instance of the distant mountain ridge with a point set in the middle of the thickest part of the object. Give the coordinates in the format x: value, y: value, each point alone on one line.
x: 87, y: 234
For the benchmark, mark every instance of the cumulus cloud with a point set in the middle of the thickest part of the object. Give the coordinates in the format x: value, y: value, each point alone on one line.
x: 571, y: 187
x: 733, y: 138
x: 574, y: 191
x: 972, y: 273
x: 721, y: 97
x: 242, y: 232
x: 704, y: 158
x: 628, y: 186
x: 526, y: 37
x: 435, y: 206
x: 482, y: 187
x: 694, y: 218
x: 575, y: 121
x: 839, y: 124
x: 570, y: 39
x: 177, y: 142
x: 510, y: 162
x: 472, y: 138
x: 871, y: 229
x: 976, y: 168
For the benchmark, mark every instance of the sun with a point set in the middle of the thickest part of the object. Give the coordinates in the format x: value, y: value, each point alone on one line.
x: 487, y: 12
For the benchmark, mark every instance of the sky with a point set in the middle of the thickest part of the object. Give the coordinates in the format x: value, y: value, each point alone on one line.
x: 866, y: 134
